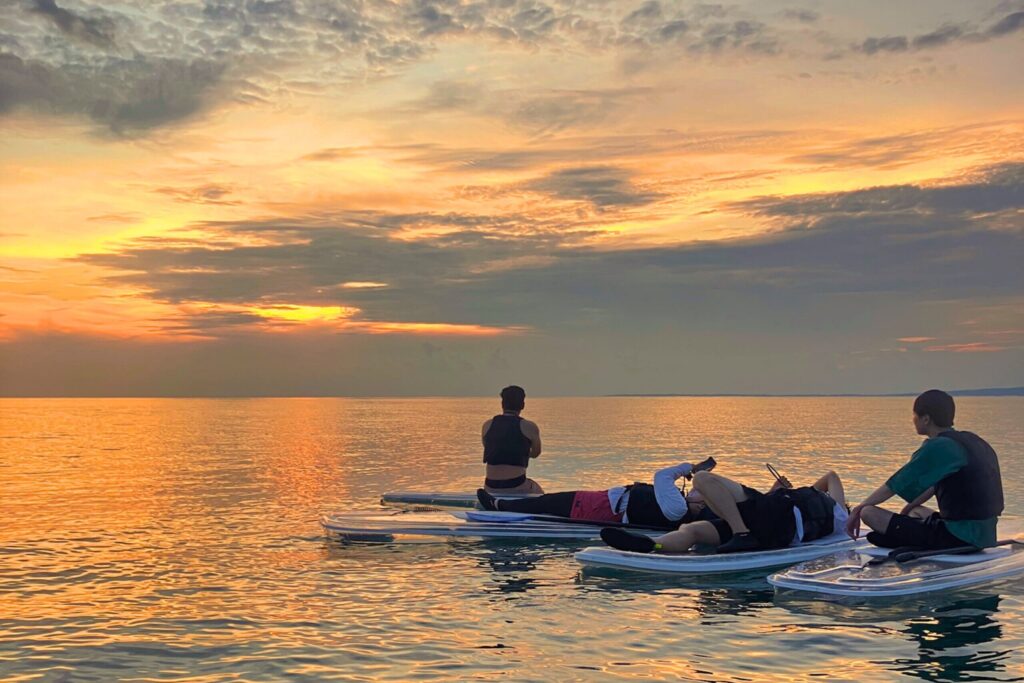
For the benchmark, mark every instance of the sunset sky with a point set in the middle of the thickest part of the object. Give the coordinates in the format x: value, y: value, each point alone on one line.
x: 303, y: 197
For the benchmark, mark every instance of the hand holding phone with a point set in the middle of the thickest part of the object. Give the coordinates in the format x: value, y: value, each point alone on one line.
x: 705, y: 465
x: 779, y: 479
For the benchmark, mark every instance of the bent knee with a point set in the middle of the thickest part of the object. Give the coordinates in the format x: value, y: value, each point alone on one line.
x: 702, y: 477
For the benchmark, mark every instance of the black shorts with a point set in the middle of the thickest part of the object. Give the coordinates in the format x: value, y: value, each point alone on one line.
x: 906, y: 531
x: 769, y: 518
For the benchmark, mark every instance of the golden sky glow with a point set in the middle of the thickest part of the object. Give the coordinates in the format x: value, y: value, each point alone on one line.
x: 463, y: 149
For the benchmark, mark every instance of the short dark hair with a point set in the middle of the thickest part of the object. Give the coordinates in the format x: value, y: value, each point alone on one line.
x: 513, y: 398
x: 936, y: 404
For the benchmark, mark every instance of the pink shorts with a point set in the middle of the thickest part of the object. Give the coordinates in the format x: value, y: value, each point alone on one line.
x: 593, y: 506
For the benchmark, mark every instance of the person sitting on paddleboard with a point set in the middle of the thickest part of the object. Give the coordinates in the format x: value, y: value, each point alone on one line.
x: 761, y: 521
x: 509, y: 444
x: 959, y: 468
x: 660, y: 505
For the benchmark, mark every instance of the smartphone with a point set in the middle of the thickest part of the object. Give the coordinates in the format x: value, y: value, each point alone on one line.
x: 705, y: 465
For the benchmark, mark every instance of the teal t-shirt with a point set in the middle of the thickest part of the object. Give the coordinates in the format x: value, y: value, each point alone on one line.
x: 935, y: 460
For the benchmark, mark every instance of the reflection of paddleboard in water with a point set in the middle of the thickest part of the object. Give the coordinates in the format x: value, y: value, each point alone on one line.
x: 871, y: 572
x: 468, y: 523
x: 440, y: 498
x: 694, y: 563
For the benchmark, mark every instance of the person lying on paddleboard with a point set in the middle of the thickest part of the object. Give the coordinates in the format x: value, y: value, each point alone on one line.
x: 509, y: 444
x: 749, y: 519
x: 660, y: 505
x: 960, y: 469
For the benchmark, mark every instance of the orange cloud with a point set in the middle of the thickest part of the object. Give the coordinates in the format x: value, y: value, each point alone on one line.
x: 970, y: 347
x: 443, y: 329
x: 915, y: 340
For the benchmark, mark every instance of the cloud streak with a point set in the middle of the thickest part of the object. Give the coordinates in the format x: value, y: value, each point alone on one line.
x: 944, y: 35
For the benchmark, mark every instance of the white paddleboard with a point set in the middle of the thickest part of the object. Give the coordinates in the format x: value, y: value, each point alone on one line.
x: 691, y: 563
x: 849, y: 574
x: 439, y: 498
x: 479, y: 524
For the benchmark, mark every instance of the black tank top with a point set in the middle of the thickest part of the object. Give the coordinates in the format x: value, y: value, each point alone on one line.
x: 505, y: 443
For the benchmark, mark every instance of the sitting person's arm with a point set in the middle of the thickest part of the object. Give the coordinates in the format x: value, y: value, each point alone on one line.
x: 483, y: 431
x: 670, y: 498
x: 919, y: 501
x: 532, y: 432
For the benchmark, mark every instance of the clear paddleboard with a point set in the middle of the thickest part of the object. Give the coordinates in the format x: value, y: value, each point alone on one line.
x: 852, y: 574
x: 693, y: 563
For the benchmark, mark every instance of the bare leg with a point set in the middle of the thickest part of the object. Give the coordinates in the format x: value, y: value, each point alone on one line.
x: 721, y: 495
x: 833, y: 486
x: 687, y: 536
x: 875, y: 517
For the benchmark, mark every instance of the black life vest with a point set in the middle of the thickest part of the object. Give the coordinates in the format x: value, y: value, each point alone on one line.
x: 976, y: 490
x: 505, y: 443
x: 642, y: 508
x: 817, y: 511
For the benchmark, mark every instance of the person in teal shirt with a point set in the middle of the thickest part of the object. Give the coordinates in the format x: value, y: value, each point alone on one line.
x: 959, y: 469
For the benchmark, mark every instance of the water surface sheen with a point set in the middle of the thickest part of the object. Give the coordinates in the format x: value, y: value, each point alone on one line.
x: 164, y: 540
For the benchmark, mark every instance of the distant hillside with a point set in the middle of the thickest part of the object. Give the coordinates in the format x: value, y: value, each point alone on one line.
x: 991, y: 391
x: 996, y: 391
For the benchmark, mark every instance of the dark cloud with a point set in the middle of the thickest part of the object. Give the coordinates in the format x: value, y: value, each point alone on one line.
x: 999, y: 188
x: 602, y: 186
x: 939, y: 37
x: 1011, y: 23
x: 646, y: 13
x: 751, y: 36
x: 97, y: 30
x: 128, y: 96
x: 804, y: 16
x: 872, y: 46
x: 303, y: 262
x: 704, y: 29
x: 944, y: 35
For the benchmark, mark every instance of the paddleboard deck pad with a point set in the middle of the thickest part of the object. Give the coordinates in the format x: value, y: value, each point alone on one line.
x: 692, y: 563
x: 371, y: 526
x: 439, y: 498
x: 849, y: 574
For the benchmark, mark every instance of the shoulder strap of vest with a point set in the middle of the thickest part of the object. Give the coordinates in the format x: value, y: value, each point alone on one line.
x: 628, y: 487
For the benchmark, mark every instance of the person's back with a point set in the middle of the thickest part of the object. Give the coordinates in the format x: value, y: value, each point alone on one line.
x: 975, y: 491
x: 509, y: 444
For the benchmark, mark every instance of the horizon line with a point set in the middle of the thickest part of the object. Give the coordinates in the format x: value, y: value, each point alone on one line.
x: 981, y: 392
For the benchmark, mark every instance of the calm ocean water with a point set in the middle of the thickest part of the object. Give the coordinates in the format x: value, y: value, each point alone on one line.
x: 165, y: 540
